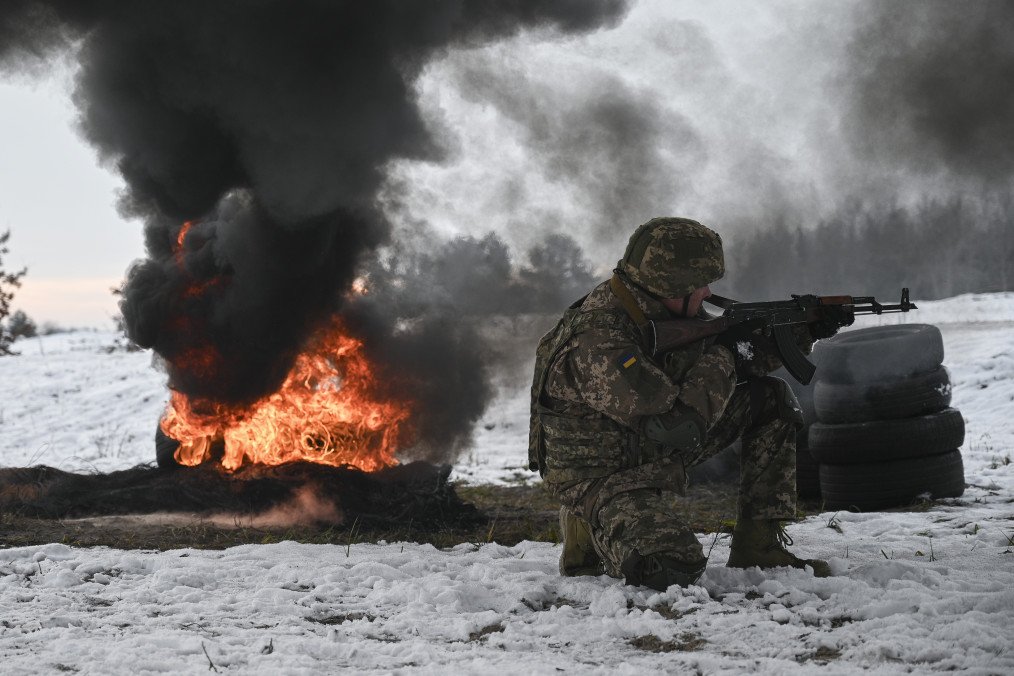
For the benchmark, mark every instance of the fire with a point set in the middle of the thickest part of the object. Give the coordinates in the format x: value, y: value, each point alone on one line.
x: 194, y: 289
x: 359, y: 287
x: 181, y: 237
x: 325, y: 412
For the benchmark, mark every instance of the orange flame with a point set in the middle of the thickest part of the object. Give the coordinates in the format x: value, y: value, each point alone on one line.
x: 324, y: 412
x: 180, y: 238
x: 195, y: 289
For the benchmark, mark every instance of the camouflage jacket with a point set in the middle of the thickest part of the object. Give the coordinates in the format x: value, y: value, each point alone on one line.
x: 600, y: 382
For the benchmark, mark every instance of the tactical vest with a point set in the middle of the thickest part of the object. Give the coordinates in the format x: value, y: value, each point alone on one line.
x: 566, y: 448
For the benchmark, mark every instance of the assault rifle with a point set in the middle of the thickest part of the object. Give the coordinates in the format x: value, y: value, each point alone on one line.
x: 777, y: 319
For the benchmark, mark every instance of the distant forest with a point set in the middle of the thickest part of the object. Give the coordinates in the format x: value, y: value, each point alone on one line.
x: 937, y: 249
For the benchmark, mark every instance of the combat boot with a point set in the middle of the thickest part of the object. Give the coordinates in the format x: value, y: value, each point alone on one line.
x: 660, y: 571
x: 763, y: 543
x: 578, y: 556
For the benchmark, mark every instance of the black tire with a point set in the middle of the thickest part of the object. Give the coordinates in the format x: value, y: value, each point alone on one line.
x: 898, y: 483
x: 916, y: 395
x: 165, y: 449
x: 883, y: 440
x: 807, y: 470
x: 881, y: 353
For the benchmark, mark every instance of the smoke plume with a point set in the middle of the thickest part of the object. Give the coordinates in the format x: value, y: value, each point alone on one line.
x: 610, y: 143
x: 927, y: 109
x: 438, y: 313
x: 930, y: 84
x: 254, y: 137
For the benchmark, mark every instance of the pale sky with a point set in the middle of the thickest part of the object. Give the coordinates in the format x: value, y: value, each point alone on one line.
x: 60, y: 208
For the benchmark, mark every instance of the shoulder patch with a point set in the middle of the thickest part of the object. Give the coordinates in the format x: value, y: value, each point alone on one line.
x: 628, y: 360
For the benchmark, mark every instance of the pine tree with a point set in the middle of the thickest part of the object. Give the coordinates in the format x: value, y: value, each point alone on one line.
x: 8, y: 282
x: 20, y: 325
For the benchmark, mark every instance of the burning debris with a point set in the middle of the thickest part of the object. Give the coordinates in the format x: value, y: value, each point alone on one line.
x: 254, y: 139
x: 324, y: 412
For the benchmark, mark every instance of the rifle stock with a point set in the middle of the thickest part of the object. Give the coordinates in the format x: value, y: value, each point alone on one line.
x: 673, y: 333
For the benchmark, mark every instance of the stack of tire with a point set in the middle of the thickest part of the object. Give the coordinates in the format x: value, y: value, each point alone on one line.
x: 885, y: 433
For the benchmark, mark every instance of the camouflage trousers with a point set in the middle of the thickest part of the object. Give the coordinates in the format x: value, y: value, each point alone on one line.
x: 637, y: 512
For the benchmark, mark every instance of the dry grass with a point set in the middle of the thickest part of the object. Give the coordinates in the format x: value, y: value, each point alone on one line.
x: 512, y: 514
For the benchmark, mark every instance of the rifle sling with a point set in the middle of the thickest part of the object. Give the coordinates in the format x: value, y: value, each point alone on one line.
x: 633, y: 310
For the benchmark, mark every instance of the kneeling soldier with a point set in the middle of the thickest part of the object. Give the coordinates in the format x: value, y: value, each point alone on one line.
x: 614, y: 430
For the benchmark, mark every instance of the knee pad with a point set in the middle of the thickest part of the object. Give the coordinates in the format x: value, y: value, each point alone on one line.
x: 660, y: 571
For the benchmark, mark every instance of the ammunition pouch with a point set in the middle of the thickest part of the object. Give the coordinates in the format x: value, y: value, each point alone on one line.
x: 581, y: 448
x: 591, y: 448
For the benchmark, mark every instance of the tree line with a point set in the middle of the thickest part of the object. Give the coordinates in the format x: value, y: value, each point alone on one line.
x: 937, y: 248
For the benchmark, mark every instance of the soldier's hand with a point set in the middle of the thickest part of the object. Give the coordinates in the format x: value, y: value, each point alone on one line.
x: 752, y: 350
x: 833, y: 317
x: 744, y: 340
x: 823, y: 329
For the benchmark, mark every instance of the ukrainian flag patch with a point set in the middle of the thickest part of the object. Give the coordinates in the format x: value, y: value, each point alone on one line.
x: 628, y: 360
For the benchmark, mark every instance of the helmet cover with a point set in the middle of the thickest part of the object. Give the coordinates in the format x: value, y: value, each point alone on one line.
x: 671, y: 257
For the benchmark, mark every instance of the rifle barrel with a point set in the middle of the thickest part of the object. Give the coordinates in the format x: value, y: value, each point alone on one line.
x: 878, y: 309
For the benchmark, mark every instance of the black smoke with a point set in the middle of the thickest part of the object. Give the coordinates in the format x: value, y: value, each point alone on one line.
x: 925, y: 94
x: 926, y: 98
x: 478, y: 276
x: 269, y: 125
x: 612, y: 144
x: 455, y: 314
x: 930, y: 86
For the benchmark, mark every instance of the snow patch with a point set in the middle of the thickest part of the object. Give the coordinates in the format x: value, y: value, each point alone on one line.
x: 744, y: 349
x: 929, y: 590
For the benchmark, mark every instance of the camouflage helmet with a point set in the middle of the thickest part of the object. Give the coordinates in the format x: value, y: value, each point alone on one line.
x: 670, y: 257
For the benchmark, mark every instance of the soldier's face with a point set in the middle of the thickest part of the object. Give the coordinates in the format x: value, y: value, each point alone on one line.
x: 675, y: 305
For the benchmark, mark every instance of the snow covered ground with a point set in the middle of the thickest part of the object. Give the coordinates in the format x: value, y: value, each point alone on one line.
x: 914, y: 592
